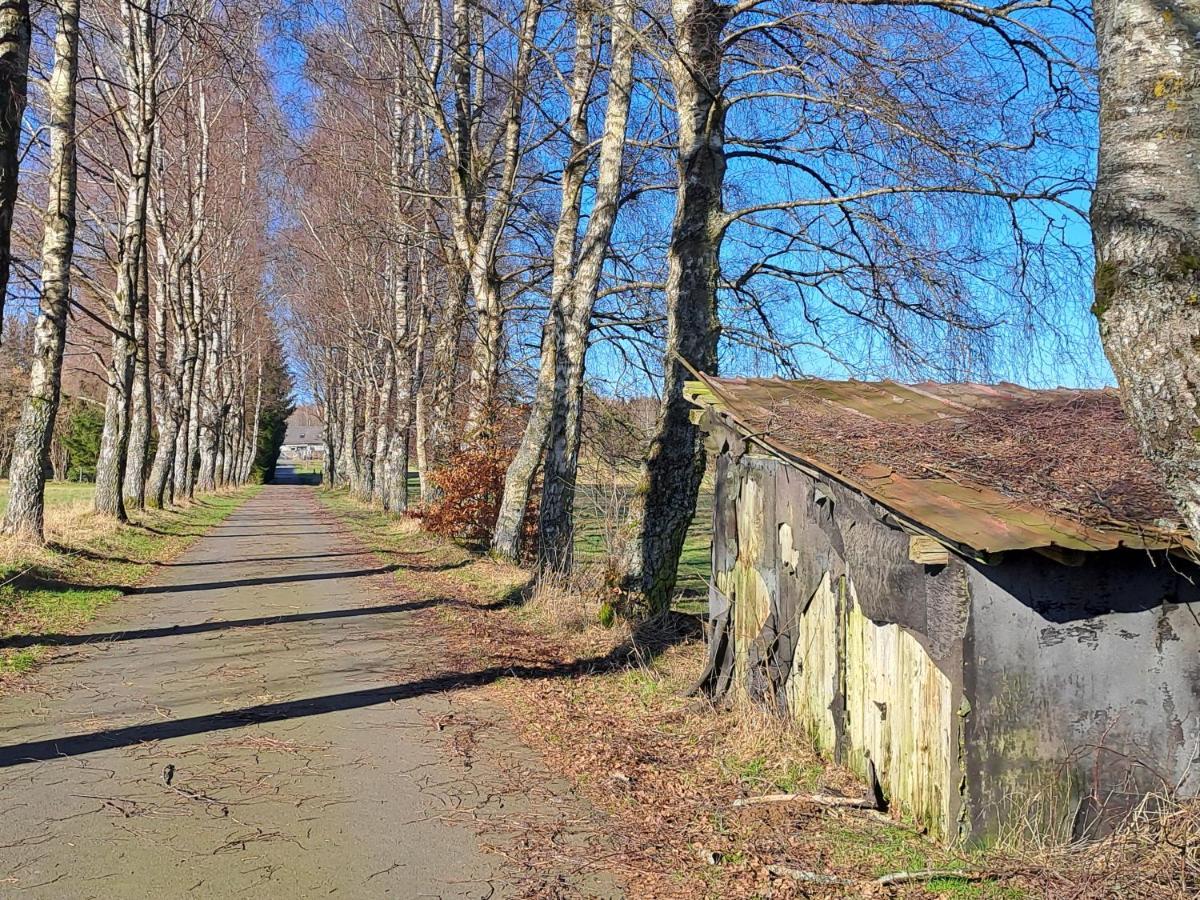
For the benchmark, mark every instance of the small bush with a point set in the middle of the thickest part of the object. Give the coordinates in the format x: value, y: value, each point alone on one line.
x: 471, y: 487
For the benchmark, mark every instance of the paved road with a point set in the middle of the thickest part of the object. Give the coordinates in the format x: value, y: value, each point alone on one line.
x: 249, y: 725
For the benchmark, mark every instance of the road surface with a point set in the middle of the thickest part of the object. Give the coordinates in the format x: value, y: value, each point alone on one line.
x: 260, y: 721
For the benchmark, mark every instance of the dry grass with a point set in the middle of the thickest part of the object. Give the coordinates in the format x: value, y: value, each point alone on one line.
x: 89, y: 560
x: 74, y: 523
x: 608, y: 709
x: 570, y: 603
x: 1155, y: 852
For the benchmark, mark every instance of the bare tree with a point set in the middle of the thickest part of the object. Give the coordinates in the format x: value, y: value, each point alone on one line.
x: 665, y: 500
x: 31, y: 453
x: 140, y: 64
x: 477, y: 217
x: 14, y: 76
x: 556, y: 413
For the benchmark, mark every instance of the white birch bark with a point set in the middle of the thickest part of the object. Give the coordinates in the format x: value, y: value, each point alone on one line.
x: 554, y: 419
x: 1146, y: 228
x: 26, y: 499
x: 139, y: 64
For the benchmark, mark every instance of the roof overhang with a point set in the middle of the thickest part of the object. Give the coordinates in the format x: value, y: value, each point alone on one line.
x: 970, y: 518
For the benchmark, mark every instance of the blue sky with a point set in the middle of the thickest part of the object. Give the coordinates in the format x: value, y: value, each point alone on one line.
x: 1071, y: 356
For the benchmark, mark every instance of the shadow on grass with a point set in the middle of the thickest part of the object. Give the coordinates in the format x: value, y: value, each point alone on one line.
x: 92, y: 555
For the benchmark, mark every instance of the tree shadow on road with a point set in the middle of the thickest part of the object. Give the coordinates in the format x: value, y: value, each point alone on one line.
x: 258, y: 559
x: 138, y: 634
x: 263, y: 713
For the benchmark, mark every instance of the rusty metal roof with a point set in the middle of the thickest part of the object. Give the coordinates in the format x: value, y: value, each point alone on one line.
x: 988, y: 467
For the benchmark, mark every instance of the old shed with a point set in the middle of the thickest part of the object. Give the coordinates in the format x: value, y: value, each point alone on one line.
x: 976, y: 596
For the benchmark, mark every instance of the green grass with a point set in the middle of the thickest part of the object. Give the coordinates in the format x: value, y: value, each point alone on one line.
x: 593, y: 527
x: 58, y: 493
x: 761, y: 774
x: 89, y: 563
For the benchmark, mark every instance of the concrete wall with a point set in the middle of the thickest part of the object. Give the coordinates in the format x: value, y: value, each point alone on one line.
x: 1085, y: 689
x: 985, y: 700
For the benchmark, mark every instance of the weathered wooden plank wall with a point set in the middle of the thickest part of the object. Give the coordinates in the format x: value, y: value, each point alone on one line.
x: 869, y: 693
x: 1020, y: 693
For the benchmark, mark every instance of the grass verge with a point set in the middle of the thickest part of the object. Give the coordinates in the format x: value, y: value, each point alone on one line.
x: 89, y: 561
x: 58, y: 493
x: 607, y: 708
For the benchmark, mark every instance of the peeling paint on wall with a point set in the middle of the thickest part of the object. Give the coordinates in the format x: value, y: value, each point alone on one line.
x: 900, y: 716
x: 985, y: 698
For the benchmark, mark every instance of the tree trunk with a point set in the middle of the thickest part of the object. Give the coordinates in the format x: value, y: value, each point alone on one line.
x: 420, y: 395
x: 1146, y: 228
x: 347, y: 464
x: 518, y: 480
x: 187, y: 383
x: 114, y: 442
x: 478, y: 245
x: 137, y: 455
x: 164, y: 396
x: 209, y: 418
x: 31, y: 452
x: 665, y: 499
x: 384, y: 428
x: 439, y: 422
x: 395, y: 464
x: 192, y: 445
x: 14, y: 80
x: 252, y: 438
x: 556, y: 527
x: 483, y: 396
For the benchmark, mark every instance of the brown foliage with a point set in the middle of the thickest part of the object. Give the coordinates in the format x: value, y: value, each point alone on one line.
x: 471, y: 486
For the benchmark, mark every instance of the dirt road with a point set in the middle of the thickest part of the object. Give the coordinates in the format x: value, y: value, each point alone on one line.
x: 261, y: 721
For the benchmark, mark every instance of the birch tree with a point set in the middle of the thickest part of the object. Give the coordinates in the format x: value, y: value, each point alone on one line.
x: 665, y: 500
x: 140, y: 63
x: 554, y: 422
x: 886, y: 227
x: 477, y: 215
x: 1146, y: 227
x: 31, y: 454
x: 14, y: 76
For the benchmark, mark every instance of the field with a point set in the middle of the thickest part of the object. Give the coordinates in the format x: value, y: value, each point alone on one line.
x: 58, y: 493
x: 596, y: 526
x: 599, y: 512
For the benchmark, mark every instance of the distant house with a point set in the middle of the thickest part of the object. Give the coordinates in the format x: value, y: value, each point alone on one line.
x: 978, y: 597
x: 303, y: 442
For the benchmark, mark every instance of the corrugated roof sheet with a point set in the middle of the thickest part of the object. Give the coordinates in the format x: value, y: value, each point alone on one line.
x: 989, y: 467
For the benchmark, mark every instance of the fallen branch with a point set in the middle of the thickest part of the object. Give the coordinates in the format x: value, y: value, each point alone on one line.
x: 889, y: 880
x: 929, y: 875
x: 816, y: 799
